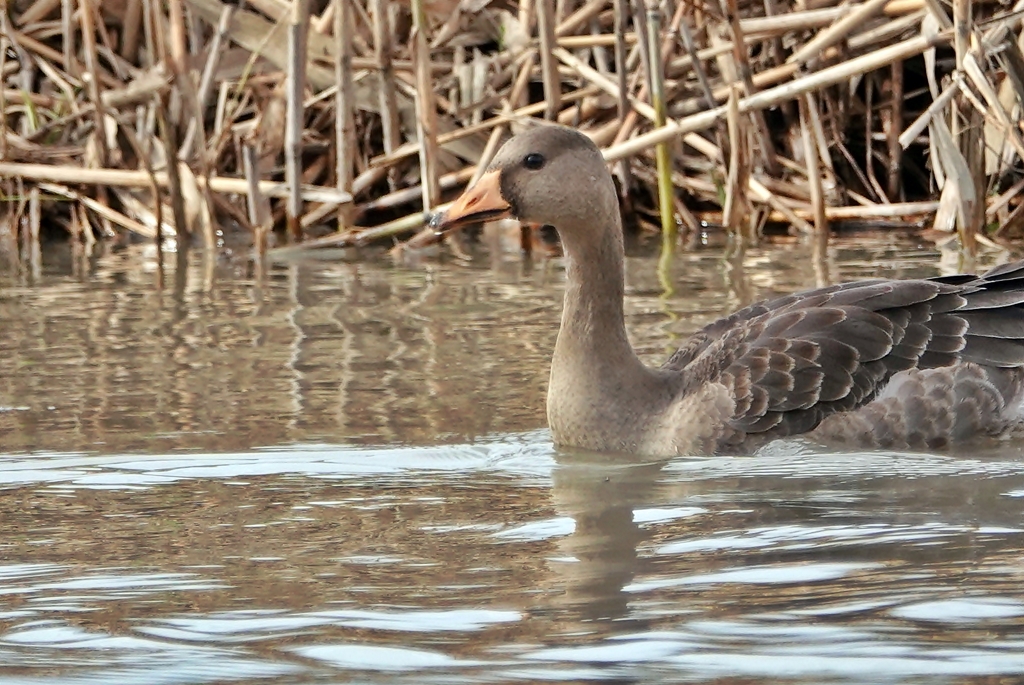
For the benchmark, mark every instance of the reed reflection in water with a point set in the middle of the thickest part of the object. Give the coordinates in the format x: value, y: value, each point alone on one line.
x: 344, y: 474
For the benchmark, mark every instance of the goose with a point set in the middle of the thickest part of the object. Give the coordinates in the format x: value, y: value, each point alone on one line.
x: 895, y: 364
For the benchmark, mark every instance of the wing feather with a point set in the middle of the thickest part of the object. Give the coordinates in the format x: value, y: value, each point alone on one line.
x: 795, y: 360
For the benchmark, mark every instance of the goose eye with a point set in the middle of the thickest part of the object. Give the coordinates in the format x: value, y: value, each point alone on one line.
x: 534, y: 161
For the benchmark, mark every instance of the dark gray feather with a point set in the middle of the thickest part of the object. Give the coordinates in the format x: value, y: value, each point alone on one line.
x: 797, y: 360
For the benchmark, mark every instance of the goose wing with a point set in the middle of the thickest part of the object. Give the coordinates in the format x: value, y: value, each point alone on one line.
x: 792, y: 361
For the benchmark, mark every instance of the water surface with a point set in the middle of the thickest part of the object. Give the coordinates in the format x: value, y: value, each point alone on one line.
x: 342, y: 474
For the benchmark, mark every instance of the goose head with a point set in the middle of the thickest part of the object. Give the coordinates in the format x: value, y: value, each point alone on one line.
x: 547, y: 175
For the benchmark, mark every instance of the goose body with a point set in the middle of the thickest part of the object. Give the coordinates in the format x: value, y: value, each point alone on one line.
x: 901, y: 364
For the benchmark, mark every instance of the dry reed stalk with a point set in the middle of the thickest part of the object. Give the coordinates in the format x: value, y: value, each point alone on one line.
x: 961, y: 30
x: 679, y: 65
x: 102, y: 210
x: 869, y: 138
x: 406, y: 195
x: 582, y: 16
x: 3, y: 70
x: 131, y: 37
x: 893, y: 126
x: 734, y: 209
x: 921, y: 123
x: 1001, y: 201
x: 598, y: 52
x: 837, y: 31
x: 818, y: 133
x: 260, y: 215
x: 92, y: 83
x: 967, y: 132
x: 805, y: 20
x: 549, y: 67
x: 782, y: 93
x: 298, y: 26
x: 344, y: 106
x: 642, y: 75
x: 195, y: 101
x: 494, y: 140
x: 959, y: 194
x: 696, y: 64
x: 68, y: 37
x: 426, y: 112
x: 663, y: 151
x: 35, y: 249
x: 169, y: 138
x: 988, y: 92
x: 488, y: 89
x: 37, y: 11
x: 756, y: 189
x: 620, y: 9
x: 195, y: 128
x: 775, y: 75
x: 628, y: 124
x: 721, y: 132
x: 742, y: 66
x: 806, y: 106
x: 389, y: 230
x: 1014, y: 222
x: 382, y: 31
x: 411, y: 148
x: 890, y: 211
x: 26, y: 42
x: 141, y: 179
x: 172, y: 54
x: 780, y: 210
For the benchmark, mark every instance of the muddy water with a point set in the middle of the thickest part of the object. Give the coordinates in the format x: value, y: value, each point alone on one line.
x: 342, y: 474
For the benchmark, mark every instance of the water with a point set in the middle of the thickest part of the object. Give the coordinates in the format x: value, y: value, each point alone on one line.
x: 343, y: 475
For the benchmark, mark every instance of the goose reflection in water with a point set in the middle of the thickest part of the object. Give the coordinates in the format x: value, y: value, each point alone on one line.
x: 601, y: 495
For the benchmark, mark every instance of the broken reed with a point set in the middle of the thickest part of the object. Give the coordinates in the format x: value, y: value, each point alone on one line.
x: 361, y: 115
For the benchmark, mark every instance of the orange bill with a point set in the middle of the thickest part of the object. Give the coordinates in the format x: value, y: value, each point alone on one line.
x: 482, y: 202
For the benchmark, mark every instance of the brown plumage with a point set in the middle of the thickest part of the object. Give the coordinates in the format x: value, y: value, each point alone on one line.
x: 879, y: 363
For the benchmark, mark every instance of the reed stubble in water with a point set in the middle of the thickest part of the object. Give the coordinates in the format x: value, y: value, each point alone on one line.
x: 446, y: 77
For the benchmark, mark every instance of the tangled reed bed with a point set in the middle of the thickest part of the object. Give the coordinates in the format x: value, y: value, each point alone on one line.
x: 347, y: 121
